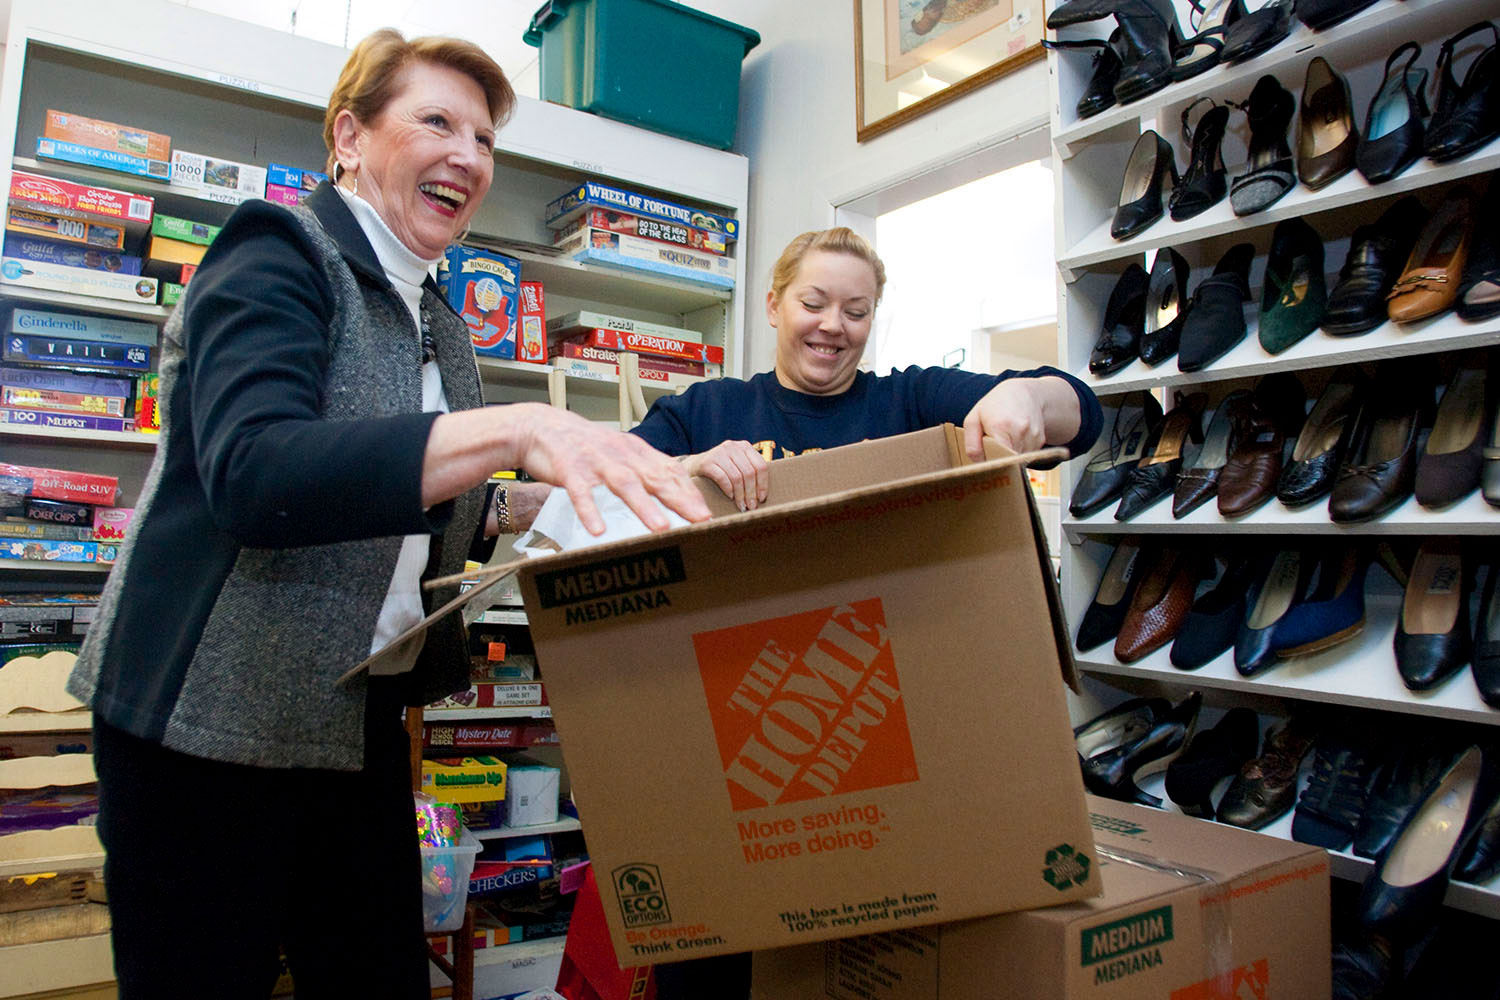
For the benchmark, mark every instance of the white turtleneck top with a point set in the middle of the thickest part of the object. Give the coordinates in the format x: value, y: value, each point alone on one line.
x: 406, y: 272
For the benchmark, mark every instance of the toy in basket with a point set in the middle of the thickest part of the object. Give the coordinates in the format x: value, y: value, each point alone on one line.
x: 448, y: 853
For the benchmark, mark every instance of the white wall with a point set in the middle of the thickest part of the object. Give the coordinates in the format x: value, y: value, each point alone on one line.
x: 797, y: 127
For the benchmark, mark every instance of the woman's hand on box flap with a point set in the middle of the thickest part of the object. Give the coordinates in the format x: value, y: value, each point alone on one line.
x: 737, y: 468
x: 1024, y: 414
x: 558, y: 447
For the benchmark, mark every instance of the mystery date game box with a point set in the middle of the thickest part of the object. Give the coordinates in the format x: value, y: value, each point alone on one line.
x: 843, y: 712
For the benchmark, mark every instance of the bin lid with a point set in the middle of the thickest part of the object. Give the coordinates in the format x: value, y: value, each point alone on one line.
x: 551, y: 11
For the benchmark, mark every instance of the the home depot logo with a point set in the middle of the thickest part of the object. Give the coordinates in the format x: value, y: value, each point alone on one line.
x: 642, y: 900
x: 806, y: 706
x: 1248, y: 982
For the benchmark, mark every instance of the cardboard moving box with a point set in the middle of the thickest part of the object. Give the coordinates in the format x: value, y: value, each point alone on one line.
x: 1191, y: 911
x: 839, y: 713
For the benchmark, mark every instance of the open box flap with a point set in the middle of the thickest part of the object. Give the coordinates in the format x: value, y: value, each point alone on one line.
x: 933, y: 449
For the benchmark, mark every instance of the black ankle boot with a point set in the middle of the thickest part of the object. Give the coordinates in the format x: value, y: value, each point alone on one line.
x: 1099, y: 95
x: 1150, y: 35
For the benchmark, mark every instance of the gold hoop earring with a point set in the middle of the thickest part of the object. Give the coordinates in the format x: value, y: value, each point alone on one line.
x: 462, y: 236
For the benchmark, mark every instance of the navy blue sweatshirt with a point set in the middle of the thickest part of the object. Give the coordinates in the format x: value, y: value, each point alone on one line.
x: 781, y: 422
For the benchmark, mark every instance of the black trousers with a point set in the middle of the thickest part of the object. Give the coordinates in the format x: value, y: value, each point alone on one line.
x: 211, y: 867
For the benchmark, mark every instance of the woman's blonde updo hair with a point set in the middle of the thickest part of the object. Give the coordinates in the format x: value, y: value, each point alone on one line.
x: 839, y: 240
x: 373, y: 73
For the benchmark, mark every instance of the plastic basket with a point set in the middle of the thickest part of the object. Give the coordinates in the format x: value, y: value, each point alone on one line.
x: 445, y: 883
x: 652, y: 63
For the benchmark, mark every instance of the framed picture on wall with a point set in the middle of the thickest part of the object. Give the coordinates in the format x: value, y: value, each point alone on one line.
x: 911, y: 56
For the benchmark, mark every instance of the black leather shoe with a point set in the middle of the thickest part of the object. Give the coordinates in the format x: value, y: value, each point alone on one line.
x: 1309, y: 475
x: 1326, y: 134
x: 1257, y: 31
x: 1467, y: 115
x: 1150, y: 36
x: 1114, y: 773
x: 1212, y: 756
x: 1099, y: 95
x: 1480, y: 861
x: 1131, y: 430
x: 1166, y: 306
x: 1363, y: 968
x: 1487, y: 641
x: 1198, y: 482
x: 1202, y: 51
x: 1266, y: 787
x: 1432, y: 633
x: 1396, y: 123
x: 1344, y: 769
x: 1377, y: 254
x: 1151, y: 164
x: 1217, y: 617
x: 1413, y: 764
x: 1176, y: 445
x: 1206, y: 181
x: 1216, y: 316
x: 1119, y: 341
x: 1402, y: 897
x: 1379, y: 470
x: 1320, y: 15
x: 1271, y: 171
x: 1122, y: 574
x: 1114, y: 727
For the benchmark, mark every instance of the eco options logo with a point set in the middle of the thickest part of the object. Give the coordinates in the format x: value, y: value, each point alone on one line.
x: 806, y: 706
x: 642, y: 899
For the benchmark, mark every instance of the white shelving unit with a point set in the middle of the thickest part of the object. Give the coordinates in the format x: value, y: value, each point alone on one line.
x: 566, y: 824
x: 1091, y: 156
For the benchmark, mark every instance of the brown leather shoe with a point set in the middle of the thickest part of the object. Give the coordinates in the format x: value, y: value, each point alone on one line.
x: 1434, y: 270
x: 1266, y: 788
x: 1250, y: 476
x: 1198, y: 484
x: 1160, y: 605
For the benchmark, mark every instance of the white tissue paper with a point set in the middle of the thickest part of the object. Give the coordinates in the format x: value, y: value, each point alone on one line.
x: 558, y: 529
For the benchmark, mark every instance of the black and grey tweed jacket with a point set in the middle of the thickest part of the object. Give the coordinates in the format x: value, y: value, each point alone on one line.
x: 287, y: 472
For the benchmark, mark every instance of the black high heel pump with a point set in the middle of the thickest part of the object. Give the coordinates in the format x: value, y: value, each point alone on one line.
x: 1271, y: 171
x: 1114, y: 773
x: 1206, y: 181
x: 1151, y: 163
x: 1467, y: 115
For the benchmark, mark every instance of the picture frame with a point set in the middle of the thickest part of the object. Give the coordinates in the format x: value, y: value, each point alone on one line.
x: 911, y: 56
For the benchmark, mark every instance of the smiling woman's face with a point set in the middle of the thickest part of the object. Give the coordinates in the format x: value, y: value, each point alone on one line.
x: 426, y: 161
x: 822, y: 322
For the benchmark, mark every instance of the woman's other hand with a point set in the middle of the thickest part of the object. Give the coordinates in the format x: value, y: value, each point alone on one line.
x: 561, y: 448
x: 1023, y: 414
x: 737, y: 468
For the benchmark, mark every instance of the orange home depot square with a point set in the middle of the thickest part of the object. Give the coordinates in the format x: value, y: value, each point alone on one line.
x: 841, y: 713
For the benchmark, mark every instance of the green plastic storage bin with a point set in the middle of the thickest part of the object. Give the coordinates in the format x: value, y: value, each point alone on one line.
x: 652, y: 63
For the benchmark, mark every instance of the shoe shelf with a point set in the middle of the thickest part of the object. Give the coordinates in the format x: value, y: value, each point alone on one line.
x: 1097, y: 247
x: 1360, y: 673
x: 1483, y: 900
x: 1366, y: 36
x: 133, y: 439
x: 1470, y: 516
x: 564, y: 824
x: 1319, y: 350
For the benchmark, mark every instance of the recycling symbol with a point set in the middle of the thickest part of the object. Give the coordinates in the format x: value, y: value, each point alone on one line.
x: 1065, y: 867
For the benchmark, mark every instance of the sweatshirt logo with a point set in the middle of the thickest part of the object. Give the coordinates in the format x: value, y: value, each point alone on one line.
x: 806, y: 706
